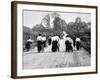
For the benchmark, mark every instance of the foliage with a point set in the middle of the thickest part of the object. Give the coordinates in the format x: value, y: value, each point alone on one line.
x: 27, y: 32
x: 77, y: 28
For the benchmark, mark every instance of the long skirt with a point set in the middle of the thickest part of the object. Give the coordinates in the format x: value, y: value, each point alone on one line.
x: 68, y: 46
x: 54, y: 46
x: 49, y: 41
x: 62, y: 45
x: 74, y: 42
x: 28, y: 46
x: 77, y: 45
x: 39, y: 46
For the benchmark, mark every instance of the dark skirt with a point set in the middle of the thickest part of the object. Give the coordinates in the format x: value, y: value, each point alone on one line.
x: 68, y: 46
x: 74, y: 42
x: 54, y: 46
x: 39, y: 46
x: 73, y: 38
x: 77, y: 45
x: 28, y: 45
x: 49, y: 41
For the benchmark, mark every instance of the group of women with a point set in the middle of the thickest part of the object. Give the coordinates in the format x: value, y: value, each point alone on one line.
x: 57, y: 44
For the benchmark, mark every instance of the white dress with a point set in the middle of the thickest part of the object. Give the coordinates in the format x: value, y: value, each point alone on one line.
x: 62, y: 45
x: 48, y: 49
x: 62, y: 42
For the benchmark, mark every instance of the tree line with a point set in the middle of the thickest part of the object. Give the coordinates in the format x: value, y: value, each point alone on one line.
x: 77, y: 28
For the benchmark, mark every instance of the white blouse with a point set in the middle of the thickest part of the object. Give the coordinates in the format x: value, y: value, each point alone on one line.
x: 43, y: 38
x: 55, y: 38
x: 29, y: 40
x: 39, y: 38
x: 78, y: 39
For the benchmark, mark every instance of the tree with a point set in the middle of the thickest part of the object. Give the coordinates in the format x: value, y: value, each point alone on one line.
x: 78, y: 20
x: 57, y: 24
x: 63, y: 25
x: 27, y: 32
x: 55, y: 14
x: 46, y: 21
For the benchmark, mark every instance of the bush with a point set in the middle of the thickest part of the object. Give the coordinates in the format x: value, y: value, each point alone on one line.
x: 86, y: 46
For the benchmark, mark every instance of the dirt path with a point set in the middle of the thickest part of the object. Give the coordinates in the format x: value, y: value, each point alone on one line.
x: 48, y: 59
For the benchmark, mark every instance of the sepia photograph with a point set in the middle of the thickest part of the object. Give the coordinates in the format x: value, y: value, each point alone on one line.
x: 53, y: 39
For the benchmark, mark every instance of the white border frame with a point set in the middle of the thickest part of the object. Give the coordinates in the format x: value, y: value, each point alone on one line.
x: 34, y: 72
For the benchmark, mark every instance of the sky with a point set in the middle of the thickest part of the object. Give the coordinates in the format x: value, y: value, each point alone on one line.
x: 31, y: 18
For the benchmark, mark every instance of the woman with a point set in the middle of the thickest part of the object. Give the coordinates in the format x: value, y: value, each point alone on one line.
x: 69, y: 44
x: 78, y: 43
x: 44, y: 41
x: 39, y: 43
x: 55, y: 44
x: 62, y: 41
x: 49, y: 40
x: 28, y: 44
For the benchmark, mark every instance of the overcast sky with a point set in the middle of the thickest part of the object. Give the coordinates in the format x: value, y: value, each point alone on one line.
x: 31, y: 18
